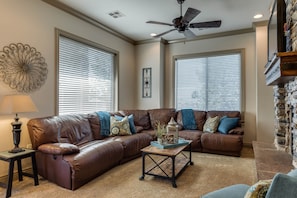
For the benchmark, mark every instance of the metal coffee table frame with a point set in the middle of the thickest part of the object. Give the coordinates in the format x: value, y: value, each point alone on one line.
x: 170, y: 165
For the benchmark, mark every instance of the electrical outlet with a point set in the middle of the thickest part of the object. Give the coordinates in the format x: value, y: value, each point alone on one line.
x: 29, y: 146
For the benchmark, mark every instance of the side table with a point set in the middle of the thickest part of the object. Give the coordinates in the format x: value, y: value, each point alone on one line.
x: 11, y: 158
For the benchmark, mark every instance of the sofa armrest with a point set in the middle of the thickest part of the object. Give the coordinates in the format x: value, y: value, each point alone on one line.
x: 282, y: 186
x: 58, y: 148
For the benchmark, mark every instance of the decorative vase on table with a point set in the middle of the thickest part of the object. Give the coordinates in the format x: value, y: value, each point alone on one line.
x: 172, y: 132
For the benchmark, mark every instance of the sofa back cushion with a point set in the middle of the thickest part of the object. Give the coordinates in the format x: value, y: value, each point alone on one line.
x: 141, y: 117
x: 200, y: 118
x: 95, y: 126
x: 230, y: 114
x: 73, y: 129
x: 161, y: 115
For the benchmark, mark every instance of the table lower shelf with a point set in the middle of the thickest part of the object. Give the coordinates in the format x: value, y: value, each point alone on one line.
x: 168, y: 167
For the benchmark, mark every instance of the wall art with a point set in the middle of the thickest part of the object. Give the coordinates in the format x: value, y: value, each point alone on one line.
x: 147, y: 82
x: 22, y: 67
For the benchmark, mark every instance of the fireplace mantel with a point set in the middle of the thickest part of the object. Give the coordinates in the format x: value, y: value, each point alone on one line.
x: 281, y: 69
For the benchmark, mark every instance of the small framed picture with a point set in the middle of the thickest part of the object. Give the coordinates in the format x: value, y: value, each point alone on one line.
x: 147, y: 82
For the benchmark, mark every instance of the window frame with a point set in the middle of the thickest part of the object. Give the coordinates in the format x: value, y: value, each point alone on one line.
x: 58, y: 33
x: 240, y: 51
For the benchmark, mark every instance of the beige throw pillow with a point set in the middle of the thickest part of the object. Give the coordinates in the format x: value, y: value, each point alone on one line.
x: 211, y: 124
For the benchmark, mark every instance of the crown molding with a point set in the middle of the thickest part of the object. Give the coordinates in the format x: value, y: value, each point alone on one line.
x: 215, y: 35
x: 85, y: 18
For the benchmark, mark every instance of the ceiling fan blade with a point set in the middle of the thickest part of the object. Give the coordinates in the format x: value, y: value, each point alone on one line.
x: 190, y: 15
x: 159, y: 23
x: 189, y: 34
x: 158, y: 35
x: 208, y: 24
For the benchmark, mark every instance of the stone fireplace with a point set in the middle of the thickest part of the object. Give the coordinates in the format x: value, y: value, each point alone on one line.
x: 284, y: 78
x: 285, y: 104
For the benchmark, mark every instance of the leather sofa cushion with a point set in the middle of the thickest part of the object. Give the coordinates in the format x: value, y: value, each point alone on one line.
x: 94, y: 158
x: 221, y: 142
x: 161, y: 115
x: 133, y: 144
x: 72, y: 128
x: 75, y: 129
x: 193, y: 135
x: 95, y: 126
x: 42, y: 131
x: 141, y: 117
x: 231, y: 114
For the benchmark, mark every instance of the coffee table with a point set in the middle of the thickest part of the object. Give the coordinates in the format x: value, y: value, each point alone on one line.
x: 166, y: 163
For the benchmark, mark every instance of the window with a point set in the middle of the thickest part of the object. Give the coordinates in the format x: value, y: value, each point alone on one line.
x: 86, y: 79
x: 210, y: 82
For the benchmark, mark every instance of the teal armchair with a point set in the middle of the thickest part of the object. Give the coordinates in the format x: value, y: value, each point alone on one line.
x: 282, y: 185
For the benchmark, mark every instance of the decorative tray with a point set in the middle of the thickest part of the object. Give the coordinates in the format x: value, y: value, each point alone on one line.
x: 181, y: 142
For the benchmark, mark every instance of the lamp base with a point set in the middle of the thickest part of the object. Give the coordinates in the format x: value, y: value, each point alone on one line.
x: 16, y: 130
x: 16, y: 150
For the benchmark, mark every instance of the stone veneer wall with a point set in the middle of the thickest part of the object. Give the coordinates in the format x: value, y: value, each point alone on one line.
x: 285, y: 104
x: 285, y: 95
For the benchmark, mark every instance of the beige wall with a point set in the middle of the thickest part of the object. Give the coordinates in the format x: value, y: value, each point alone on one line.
x: 33, y: 22
x: 265, y: 104
x: 150, y: 55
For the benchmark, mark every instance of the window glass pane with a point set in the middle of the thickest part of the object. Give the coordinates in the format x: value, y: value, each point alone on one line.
x: 191, y: 83
x: 85, y: 78
x: 209, y: 83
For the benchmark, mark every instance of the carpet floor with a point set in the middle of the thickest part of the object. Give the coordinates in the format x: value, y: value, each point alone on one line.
x: 209, y: 172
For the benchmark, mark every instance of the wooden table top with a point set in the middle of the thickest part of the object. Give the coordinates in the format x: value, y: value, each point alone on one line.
x: 166, y: 152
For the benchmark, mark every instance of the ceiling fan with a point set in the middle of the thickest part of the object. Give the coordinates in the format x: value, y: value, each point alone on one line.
x: 182, y: 23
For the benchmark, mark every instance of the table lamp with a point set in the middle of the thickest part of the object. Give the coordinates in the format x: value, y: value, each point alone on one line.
x: 17, y: 104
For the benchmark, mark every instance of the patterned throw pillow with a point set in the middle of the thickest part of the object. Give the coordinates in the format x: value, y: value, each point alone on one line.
x: 211, y: 124
x: 259, y: 189
x: 131, y: 122
x: 119, y: 127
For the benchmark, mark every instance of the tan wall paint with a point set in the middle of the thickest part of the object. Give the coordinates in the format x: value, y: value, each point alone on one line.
x: 33, y: 22
x: 149, y: 55
x: 265, y: 103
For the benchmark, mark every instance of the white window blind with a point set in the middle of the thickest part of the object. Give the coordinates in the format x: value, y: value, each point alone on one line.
x: 86, y: 78
x: 209, y: 83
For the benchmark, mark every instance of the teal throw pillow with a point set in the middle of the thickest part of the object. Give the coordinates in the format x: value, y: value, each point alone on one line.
x: 131, y: 122
x: 226, y: 124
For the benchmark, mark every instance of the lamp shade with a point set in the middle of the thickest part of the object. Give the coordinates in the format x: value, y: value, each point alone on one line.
x: 17, y: 104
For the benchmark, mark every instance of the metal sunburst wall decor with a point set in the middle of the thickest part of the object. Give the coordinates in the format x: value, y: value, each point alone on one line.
x: 22, y: 67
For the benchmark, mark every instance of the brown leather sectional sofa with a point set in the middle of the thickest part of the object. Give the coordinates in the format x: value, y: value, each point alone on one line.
x: 71, y: 151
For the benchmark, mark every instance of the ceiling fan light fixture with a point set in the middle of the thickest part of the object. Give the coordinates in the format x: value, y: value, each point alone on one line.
x: 153, y: 34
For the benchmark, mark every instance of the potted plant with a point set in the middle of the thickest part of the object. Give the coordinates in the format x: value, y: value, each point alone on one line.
x: 160, y: 131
